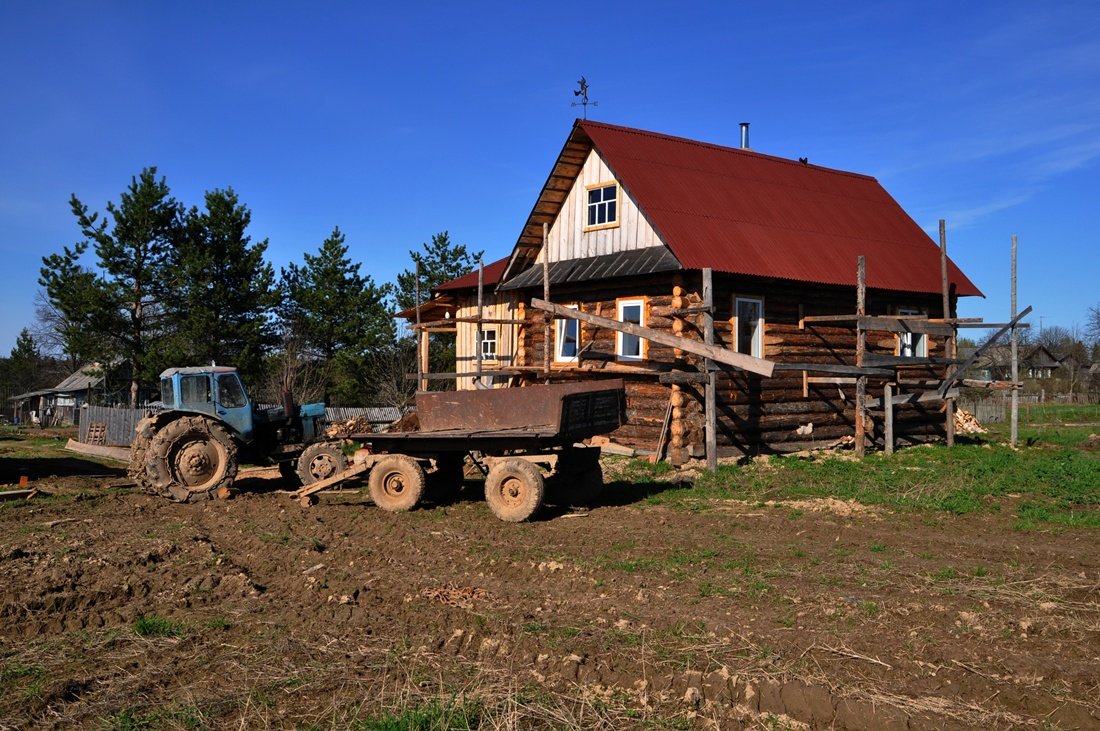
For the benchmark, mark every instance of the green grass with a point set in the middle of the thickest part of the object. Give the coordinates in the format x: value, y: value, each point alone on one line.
x: 431, y: 716
x: 175, y: 716
x: 153, y: 626
x: 1054, y: 473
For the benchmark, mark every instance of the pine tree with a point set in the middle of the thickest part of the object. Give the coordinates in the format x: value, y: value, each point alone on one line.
x: 440, y: 261
x: 337, y: 314
x: 125, y: 306
x: 224, y: 291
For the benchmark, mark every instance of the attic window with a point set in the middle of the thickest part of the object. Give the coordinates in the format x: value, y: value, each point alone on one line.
x: 603, y: 206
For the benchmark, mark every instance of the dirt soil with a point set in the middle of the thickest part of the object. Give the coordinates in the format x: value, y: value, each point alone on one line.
x: 630, y: 615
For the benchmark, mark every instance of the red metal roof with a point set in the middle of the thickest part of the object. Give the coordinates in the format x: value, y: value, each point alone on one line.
x: 742, y: 212
x: 492, y: 276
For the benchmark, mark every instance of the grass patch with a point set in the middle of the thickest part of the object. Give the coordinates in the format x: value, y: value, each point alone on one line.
x: 153, y: 626
x: 176, y: 716
x: 431, y: 716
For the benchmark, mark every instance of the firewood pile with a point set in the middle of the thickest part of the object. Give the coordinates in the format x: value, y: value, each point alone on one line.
x: 344, y: 429
x: 966, y: 423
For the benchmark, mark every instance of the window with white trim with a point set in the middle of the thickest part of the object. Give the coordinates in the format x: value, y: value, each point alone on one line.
x: 489, y: 343
x: 566, y: 339
x: 748, y: 324
x: 912, y: 345
x: 603, y: 206
x: 630, y: 347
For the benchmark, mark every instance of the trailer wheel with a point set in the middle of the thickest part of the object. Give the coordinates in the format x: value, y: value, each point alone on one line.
x: 583, y: 489
x: 320, y: 461
x: 396, y: 483
x: 514, y: 489
x: 192, y: 458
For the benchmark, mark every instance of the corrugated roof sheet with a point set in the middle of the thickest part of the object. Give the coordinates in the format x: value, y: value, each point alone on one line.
x: 650, y: 260
x: 743, y: 212
x: 82, y: 380
x: 492, y: 275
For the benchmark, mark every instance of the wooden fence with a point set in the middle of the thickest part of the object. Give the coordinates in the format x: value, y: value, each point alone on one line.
x: 119, y: 423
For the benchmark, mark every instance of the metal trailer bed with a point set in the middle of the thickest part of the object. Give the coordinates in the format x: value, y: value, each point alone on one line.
x: 522, y: 437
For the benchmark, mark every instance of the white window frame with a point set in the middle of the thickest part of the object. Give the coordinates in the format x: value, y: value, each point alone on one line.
x: 757, y: 347
x: 560, y: 325
x: 494, y: 339
x: 620, y: 337
x: 608, y: 222
x: 915, y: 343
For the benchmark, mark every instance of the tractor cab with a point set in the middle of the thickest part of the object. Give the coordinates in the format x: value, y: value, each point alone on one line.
x: 216, y: 391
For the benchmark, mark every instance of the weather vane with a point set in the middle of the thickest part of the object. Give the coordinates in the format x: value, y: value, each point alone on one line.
x: 582, y: 92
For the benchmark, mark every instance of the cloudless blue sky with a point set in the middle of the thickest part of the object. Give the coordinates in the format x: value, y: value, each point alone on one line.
x: 395, y: 123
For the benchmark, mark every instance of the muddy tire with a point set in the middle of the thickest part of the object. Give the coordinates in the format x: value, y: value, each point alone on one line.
x: 396, y: 483
x: 320, y: 461
x: 192, y: 458
x: 139, y: 448
x: 514, y: 490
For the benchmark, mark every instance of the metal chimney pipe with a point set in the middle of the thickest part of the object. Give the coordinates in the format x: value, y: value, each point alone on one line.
x: 744, y: 135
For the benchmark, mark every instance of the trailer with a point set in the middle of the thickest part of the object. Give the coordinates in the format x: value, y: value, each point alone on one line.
x: 525, y: 441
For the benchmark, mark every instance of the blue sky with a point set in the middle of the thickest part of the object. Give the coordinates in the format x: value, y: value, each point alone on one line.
x: 398, y: 122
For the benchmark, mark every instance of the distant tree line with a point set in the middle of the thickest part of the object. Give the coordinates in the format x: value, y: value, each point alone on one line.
x: 172, y: 285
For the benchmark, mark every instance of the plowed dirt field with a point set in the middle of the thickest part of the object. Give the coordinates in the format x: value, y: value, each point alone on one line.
x: 121, y: 610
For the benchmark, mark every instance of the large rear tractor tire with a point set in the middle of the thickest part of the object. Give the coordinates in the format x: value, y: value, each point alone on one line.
x: 321, y: 461
x: 514, y: 489
x: 396, y: 483
x: 192, y: 458
x: 139, y: 448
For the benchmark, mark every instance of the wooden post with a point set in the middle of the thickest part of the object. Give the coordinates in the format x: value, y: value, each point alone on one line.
x: 949, y: 341
x: 888, y: 416
x: 480, y: 313
x: 1015, y: 340
x: 861, y: 345
x: 546, y: 344
x: 710, y: 401
x: 421, y: 341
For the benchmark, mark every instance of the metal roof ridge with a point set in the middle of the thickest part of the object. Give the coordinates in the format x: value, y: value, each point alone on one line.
x: 721, y: 148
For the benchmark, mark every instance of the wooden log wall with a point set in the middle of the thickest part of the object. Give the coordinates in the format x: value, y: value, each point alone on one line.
x: 755, y: 415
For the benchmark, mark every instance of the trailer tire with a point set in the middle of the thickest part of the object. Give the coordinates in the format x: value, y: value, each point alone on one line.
x: 192, y: 458
x: 320, y: 461
x: 582, y: 489
x: 514, y: 489
x: 396, y: 483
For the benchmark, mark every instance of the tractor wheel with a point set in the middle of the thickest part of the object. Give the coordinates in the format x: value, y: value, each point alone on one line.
x: 192, y: 458
x: 396, y: 483
x: 320, y: 461
x: 138, y: 449
x: 514, y: 489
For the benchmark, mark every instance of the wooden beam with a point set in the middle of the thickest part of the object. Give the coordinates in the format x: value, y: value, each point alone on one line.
x: 825, y: 318
x: 682, y: 378
x: 737, y: 360
x: 861, y: 347
x: 834, y: 368
x: 710, y: 399
x: 546, y: 344
x: 877, y: 359
x: 965, y: 365
x: 993, y: 385
x: 466, y: 374
x: 991, y: 325
x: 835, y: 380
x: 1014, y: 427
x: 949, y: 340
x: 888, y: 417
x: 691, y: 310
x: 914, y: 398
x: 906, y: 324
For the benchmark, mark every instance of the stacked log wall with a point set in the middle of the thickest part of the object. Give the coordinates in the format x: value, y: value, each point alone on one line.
x: 755, y: 414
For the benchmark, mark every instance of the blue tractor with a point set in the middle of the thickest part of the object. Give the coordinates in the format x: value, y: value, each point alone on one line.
x: 190, y: 449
